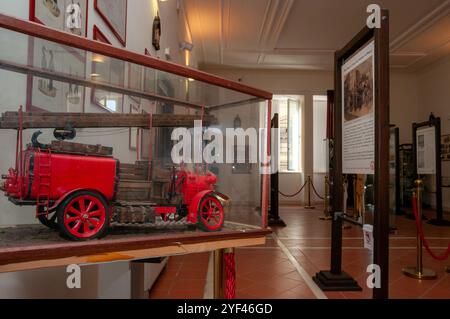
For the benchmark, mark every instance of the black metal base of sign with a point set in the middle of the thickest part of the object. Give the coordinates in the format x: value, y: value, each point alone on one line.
x: 439, y: 222
x: 276, y: 221
x: 400, y: 212
x: 331, y: 282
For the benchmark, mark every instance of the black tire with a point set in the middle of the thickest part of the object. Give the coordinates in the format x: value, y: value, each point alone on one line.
x: 50, y: 222
x: 60, y: 216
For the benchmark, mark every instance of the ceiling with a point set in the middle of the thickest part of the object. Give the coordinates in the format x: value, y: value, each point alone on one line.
x: 303, y: 34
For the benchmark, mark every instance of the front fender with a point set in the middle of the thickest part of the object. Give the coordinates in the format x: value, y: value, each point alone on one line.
x: 194, y: 206
x: 59, y: 201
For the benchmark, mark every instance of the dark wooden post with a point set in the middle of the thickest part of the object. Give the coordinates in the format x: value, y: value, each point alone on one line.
x: 274, y: 216
x: 398, y: 206
x: 382, y: 132
x: 336, y: 279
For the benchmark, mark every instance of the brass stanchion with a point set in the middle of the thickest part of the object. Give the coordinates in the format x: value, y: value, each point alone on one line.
x: 218, y: 274
x: 326, y: 213
x: 418, y: 272
x: 309, y: 195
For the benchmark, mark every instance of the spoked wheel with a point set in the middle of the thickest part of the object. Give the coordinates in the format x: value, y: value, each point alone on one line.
x: 83, y: 215
x: 49, y: 220
x: 211, y: 216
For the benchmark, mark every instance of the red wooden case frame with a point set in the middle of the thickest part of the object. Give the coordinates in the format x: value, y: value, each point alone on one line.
x: 99, y: 36
x: 105, y: 18
x: 32, y: 17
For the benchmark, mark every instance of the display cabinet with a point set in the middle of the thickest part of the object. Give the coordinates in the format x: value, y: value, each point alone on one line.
x: 406, y: 174
x: 121, y: 156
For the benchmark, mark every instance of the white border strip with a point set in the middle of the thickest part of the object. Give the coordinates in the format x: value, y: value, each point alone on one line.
x: 302, y: 272
x: 349, y: 238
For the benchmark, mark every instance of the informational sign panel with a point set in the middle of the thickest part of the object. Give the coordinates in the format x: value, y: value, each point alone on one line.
x: 358, y: 113
x: 426, y: 150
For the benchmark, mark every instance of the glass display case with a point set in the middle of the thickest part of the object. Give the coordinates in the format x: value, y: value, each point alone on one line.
x: 406, y: 174
x: 100, y: 142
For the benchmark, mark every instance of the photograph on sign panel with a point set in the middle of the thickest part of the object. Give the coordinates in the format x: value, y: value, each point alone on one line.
x: 358, y: 91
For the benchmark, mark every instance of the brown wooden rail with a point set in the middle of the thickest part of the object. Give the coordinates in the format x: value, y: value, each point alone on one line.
x: 43, y: 32
x: 10, y: 120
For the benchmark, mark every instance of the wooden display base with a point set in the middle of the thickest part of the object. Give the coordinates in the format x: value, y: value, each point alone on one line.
x: 34, y: 246
x: 330, y: 282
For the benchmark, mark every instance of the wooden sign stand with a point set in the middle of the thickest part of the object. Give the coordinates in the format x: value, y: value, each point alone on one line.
x: 336, y: 279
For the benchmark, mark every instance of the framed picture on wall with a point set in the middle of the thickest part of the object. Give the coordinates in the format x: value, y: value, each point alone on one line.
x: 67, y: 15
x: 114, y: 13
x: 48, y: 95
x: 134, y: 131
x: 107, y: 70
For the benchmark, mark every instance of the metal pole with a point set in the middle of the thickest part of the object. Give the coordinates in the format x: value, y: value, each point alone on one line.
x: 419, y: 272
x: 218, y: 274
x: 326, y: 213
x: 309, y: 194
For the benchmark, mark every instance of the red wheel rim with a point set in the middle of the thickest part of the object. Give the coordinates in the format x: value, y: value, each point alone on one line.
x: 211, y: 213
x: 84, y: 216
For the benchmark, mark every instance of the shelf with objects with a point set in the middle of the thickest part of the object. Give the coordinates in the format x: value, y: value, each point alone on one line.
x: 103, y: 159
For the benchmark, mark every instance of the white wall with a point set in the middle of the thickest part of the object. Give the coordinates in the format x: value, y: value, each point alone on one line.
x: 99, y: 281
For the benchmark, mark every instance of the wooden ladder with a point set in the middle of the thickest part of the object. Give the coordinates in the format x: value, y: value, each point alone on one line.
x: 44, y: 163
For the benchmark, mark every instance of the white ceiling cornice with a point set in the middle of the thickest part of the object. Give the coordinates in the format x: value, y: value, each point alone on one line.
x: 423, y: 24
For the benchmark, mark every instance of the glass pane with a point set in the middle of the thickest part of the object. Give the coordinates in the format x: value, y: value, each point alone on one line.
x: 320, y: 126
x: 294, y: 135
x: 104, y: 106
x: 67, y: 64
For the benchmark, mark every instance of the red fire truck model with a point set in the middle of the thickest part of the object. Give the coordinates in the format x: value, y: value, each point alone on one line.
x: 79, y: 189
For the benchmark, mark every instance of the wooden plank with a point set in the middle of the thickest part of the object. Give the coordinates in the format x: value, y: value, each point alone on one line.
x: 70, y: 147
x: 37, y: 245
x: 133, y: 184
x: 132, y: 177
x: 124, y: 255
x: 133, y: 195
x: 97, y: 120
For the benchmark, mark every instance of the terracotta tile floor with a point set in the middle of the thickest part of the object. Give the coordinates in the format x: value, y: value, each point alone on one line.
x: 266, y: 271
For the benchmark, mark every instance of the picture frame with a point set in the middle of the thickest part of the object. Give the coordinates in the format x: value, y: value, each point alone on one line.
x: 47, y: 95
x: 55, y: 15
x: 114, y: 13
x: 110, y: 70
x: 134, y: 131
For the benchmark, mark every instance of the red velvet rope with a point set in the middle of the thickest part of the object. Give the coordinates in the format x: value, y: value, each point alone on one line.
x: 422, y: 235
x: 230, y: 273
